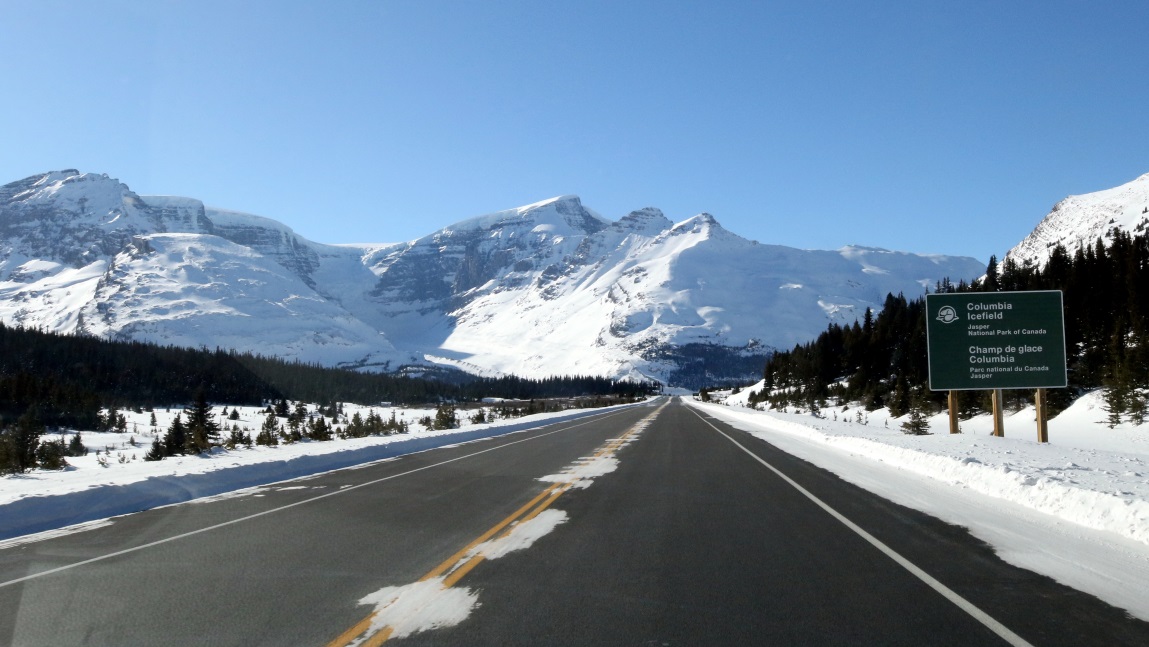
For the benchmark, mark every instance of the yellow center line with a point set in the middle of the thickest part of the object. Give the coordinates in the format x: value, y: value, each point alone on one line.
x: 456, y: 568
x: 379, y: 638
x: 460, y: 572
x: 363, y: 625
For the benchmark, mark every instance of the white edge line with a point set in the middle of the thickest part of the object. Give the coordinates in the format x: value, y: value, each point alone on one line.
x: 594, y: 418
x: 965, y: 605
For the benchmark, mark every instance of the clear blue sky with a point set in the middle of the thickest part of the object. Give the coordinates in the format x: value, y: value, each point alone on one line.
x: 941, y: 127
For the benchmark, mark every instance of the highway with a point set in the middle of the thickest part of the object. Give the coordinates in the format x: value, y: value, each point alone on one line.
x: 649, y: 525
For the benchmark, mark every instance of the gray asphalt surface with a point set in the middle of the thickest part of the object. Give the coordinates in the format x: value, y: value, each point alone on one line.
x: 690, y: 542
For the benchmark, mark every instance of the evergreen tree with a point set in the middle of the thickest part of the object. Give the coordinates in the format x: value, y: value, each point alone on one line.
x: 445, y: 417
x: 318, y: 429
x: 18, y: 444
x: 50, y: 455
x: 76, y: 446
x: 269, y: 433
x: 202, y: 429
x: 176, y: 438
x: 157, y: 451
x: 991, y: 283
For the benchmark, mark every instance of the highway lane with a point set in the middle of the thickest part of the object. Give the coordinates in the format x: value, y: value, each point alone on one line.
x: 692, y: 540
x: 276, y: 575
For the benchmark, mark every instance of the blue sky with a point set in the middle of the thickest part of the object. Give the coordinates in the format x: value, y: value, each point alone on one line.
x: 939, y: 127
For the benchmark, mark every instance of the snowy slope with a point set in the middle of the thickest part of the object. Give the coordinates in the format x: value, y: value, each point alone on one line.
x: 548, y: 288
x: 82, y: 253
x: 1082, y: 219
x: 644, y: 283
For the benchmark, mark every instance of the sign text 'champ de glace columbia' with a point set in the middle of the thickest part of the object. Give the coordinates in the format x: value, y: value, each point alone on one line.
x: 996, y: 340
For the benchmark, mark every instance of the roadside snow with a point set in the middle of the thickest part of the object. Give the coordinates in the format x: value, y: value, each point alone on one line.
x: 1075, y: 509
x: 45, y: 500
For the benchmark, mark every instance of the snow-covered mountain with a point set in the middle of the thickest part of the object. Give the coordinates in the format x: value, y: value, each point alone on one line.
x: 548, y: 288
x: 1081, y: 219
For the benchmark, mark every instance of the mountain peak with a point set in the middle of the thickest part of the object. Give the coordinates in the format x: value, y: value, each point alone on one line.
x: 542, y: 289
x: 1082, y: 219
x: 562, y: 202
x: 648, y: 221
x: 703, y: 223
x: 67, y: 183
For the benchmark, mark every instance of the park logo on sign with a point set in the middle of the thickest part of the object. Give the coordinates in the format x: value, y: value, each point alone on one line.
x: 947, y: 314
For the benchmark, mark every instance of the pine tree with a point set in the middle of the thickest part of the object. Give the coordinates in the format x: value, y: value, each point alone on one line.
x: 28, y: 432
x: 269, y: 433
x: 445, y: 417
x: 203, y: 430
x: 76, y: 446
x: 157, y: 451
x: 318, y: 429
x: 991, y: 283
x: 176, y: 438
x: 50, y: 455
x: 916, y: 423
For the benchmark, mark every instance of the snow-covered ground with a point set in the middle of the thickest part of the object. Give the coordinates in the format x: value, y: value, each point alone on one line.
x: 1075, y: 509
x: 115, y: 479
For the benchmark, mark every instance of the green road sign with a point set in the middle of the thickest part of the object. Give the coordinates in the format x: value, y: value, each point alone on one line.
x: 996, y: 340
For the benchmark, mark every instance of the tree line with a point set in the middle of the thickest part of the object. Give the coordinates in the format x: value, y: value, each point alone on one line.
x: 881, y: 361
x: 51, y: 381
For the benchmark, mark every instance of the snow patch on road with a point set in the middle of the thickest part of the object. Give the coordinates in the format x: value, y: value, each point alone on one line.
x: 522, y: 535
x: 586, y: 469
x: 420, y: 606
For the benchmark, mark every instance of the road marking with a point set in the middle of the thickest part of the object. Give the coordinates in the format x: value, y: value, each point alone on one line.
x: 457, y: 566
x: 595, y: 418
x: 965, y: 605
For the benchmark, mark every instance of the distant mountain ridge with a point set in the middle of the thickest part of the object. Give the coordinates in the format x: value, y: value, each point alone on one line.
x: 548, y: 288
x: 1083, y: 219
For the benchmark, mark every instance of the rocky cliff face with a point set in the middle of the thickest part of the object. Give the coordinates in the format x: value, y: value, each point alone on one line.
x: 548, y: 288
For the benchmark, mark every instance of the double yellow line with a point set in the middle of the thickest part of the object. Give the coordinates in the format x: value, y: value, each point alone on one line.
x: 455, y: 568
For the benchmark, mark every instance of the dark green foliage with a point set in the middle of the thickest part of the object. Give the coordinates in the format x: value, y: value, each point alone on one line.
x: 318, y: 429
x: 176, y: 438
x: 882, y: 361
x: 269, y: 433
x: 50, y: 455
x: 916, y: 423
x: 76, y: 446
x: 445, y: 417
x: 202, y: 429
x: 374, y: 425
x: 69, y: 379
x: 157, y: 451
x: 237, y: 437
x: 18, y: 444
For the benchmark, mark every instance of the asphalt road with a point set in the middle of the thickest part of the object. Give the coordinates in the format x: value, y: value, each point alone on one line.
x: 701, y: 536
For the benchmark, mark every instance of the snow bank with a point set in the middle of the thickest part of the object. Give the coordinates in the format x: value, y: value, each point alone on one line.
x: 1102, y: 485
x: 1075, y: 509
x: 46, y: 500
